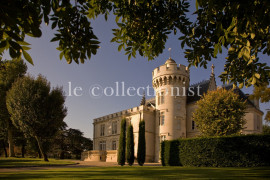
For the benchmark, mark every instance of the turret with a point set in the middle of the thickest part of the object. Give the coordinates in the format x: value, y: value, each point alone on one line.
x: 171, y: 81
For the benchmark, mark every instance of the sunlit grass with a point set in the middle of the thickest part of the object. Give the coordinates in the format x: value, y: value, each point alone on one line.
x: 26, y: 162
x: 137, y: 172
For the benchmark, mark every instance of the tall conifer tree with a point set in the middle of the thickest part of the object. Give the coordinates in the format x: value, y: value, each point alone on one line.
x: 130, y: 145
x: 122, y: 144
x: 141, y: 144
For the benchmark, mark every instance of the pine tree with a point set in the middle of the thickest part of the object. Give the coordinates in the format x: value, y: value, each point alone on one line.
x: 143, y: 101
x: 130, y: 145
x: 122, y: 144
x: 141, y: 144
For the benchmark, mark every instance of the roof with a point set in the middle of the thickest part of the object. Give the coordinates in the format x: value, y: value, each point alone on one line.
x: 170, y: 61
x: 203, y: 88
x: 241, y: 94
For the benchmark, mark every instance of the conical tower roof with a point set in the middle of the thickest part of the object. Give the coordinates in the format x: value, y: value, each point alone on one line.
x: 170, y: 61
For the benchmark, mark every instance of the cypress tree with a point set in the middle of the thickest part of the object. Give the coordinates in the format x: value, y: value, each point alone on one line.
x: 122, y: 144
x: 141, y: 144
x: 130, y: 145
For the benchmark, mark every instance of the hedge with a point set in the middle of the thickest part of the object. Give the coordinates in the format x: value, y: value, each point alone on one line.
x: 229, y: 151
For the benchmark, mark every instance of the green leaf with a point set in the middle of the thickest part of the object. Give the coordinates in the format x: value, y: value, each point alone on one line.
x: 23, y: 43
x: 197, y: 5
x: 61, y: 55
x: 240, y: 54
x: 27, y: 57
x: 216, y: 48
x: 117, y: 18
x: 249, y: 62
x: 15, y: 45
x: 252, y: 35
x: 12, y: 53
x: 54, y: 24
x: 26, y: 48
x: 241, y: 85
x: 182, y: 44
x: 253, y: 81
x: 3, y: 44
x: 129, y: 56
x: 54, y: 39
x: 120, y: 47
x: 36, y: 32
x: 257, y: 75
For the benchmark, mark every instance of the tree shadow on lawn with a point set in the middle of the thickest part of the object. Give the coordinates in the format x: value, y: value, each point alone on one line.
x: 141, y: 173
x: 6, y: 162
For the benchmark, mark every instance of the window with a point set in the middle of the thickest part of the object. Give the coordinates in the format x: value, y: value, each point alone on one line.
x: 102, y: 129
x: 114, y: 127
x: 102, y: 145
x: 163, y: 138
x: 178, y: 106
x: 178, y: 124
x: 162, y: 98
x: 193, y: 125
x: 113, y: 145
x: 162, y: 118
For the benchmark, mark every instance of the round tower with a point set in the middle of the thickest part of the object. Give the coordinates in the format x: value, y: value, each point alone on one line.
x: 171, y: 83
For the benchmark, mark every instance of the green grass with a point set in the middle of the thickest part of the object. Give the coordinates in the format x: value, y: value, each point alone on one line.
x: 141, y: 173
x: 30, y: 162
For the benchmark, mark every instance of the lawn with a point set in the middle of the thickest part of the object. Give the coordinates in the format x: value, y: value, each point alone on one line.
x: 137, y: 172
x: 30, y: 162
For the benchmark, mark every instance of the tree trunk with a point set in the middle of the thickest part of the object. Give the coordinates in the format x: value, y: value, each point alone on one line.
x: 10, y: 142
x: 44, y: 155
x: 4, y: 146
x: 39, y: 154
x: 23, y: 150
x: 62, y: 155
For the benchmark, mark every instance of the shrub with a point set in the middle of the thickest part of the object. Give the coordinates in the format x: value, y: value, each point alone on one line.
x: 220, y: 113
x: 230, y: 151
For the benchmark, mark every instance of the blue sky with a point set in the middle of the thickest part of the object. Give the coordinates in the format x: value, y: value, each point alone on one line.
x: 106, y: 68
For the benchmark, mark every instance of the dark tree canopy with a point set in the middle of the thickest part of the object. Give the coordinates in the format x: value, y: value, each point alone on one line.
x: 36, y: 109
x: 240, y: 26
x: 70, y: 143
x: 10, y: 70
x: 262, y: 92
x: 21, y: 18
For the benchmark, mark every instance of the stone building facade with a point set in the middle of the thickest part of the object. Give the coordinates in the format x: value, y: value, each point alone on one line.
x: 167, y: 116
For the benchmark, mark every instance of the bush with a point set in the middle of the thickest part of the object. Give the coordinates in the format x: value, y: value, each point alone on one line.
x: 266, y: 129
x: 220, y: 113
x: 230, y: 151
